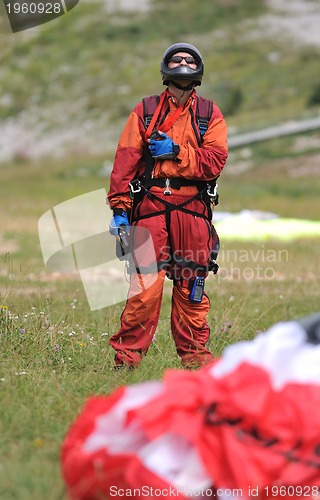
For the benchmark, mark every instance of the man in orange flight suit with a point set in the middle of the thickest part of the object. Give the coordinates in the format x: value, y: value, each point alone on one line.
x: 170, y: 169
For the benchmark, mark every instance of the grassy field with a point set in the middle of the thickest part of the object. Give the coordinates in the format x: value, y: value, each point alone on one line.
x: 54, y: 350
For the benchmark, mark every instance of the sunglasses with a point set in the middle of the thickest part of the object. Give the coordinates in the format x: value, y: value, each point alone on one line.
x: 179, y: 59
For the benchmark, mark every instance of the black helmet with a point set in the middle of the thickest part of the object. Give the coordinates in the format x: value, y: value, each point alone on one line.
x: 182, y: 72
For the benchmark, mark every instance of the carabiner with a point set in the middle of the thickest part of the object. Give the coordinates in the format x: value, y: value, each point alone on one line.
x: 211, y: 193
x: 135, y: 186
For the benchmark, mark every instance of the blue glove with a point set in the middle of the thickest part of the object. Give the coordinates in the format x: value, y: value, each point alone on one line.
x: 163, y: 148
x: 119, y: 219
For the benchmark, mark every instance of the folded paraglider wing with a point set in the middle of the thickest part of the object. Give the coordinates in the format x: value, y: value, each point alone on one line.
x: 247, y: 423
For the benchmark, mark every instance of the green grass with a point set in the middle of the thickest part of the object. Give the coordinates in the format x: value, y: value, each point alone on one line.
x: 54, y: 354
x: 279, y: 175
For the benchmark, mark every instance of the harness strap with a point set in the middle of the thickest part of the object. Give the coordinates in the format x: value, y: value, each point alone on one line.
x: 191, y: 264
x: 149, y: 106
x: 169, y: 207
x: 180, y: 261
x: 169, y: 121
x: 167, y: 124
x: 155, y: 116
x: 175, y: 182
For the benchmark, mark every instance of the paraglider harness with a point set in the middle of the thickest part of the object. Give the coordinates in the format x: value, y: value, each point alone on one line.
x: 207, y: 190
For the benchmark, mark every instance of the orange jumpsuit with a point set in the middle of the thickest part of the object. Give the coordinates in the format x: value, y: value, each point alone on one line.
x: 183, y: 234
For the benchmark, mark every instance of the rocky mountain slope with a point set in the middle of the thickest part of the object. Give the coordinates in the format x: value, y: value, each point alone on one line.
x: 68, y: 85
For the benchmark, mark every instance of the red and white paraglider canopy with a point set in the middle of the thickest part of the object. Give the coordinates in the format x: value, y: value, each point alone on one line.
x: 249, y: 423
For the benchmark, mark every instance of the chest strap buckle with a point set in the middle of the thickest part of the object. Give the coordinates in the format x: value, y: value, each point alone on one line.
x: 167, y: 191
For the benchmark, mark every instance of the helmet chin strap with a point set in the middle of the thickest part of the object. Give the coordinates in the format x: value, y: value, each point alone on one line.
x: 180, y: 87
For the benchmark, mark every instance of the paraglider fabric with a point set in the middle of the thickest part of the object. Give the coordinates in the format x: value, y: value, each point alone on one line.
x: 249, y: 422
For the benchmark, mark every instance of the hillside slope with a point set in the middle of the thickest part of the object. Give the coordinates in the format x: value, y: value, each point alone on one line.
x: 68, y: 85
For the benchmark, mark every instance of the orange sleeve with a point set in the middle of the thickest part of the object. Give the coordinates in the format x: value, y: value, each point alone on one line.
x: 206, y: 162
x: 128, y: 162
